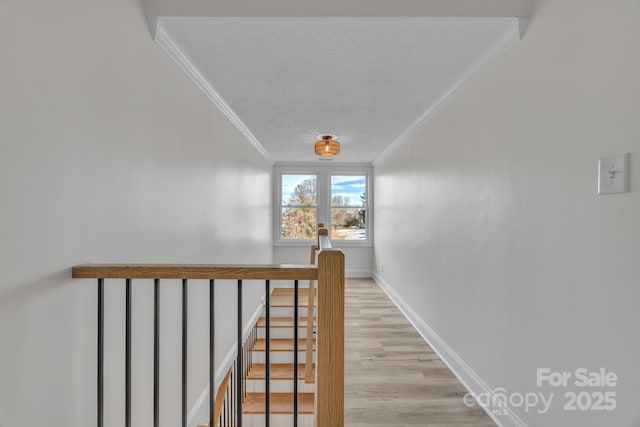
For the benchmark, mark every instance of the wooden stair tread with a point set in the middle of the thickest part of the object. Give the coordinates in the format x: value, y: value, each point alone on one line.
x: 279, y: 403
x: 278, y: 371
x: 281, y: 344
x: 283, y: 297
x: 287, y: 301
x: 289, y: 292
x: 283, y: 322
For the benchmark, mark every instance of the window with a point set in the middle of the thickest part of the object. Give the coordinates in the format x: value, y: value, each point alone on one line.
x: 337, y: 197
x: 348, y: 207
x: 299, y: 207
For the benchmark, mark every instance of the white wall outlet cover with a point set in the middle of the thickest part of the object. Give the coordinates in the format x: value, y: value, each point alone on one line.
x: 613, y: 174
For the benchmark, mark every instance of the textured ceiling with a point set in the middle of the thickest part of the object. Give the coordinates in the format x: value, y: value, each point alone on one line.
x: 367, y: 80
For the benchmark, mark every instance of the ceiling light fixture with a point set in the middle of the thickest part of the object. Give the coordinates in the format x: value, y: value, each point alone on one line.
x: 327, y: 146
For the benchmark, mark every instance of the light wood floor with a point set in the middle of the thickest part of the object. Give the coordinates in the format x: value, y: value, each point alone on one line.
x: 392, y: 377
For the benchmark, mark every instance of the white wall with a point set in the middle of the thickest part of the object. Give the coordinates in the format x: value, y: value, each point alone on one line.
x: 488, y: 223
x: 109, y: 153
x: 358, y: 261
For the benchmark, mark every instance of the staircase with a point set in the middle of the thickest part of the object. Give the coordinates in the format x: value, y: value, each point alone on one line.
x: 309, y: 383
x: 281, y: 363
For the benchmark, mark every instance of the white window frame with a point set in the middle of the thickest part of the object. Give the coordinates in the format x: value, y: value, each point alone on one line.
x: 323, y: 202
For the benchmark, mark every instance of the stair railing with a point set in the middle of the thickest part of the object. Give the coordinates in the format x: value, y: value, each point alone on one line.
x: 224, y: 414
x: 329, y: 273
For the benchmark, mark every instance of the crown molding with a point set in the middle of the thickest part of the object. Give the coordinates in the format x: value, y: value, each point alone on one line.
x: 166, y: 42
x: 509, y: 39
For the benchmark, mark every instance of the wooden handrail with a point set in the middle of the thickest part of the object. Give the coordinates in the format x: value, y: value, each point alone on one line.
x: 220, y: 399
x: 195, y: 271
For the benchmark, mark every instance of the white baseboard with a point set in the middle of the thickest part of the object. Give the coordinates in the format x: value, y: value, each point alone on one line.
x: 357, y: 273
x: 198, y: 413
x: 503, y: 416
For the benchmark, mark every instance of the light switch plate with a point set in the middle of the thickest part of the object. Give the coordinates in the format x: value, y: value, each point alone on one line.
x: 613, y: 174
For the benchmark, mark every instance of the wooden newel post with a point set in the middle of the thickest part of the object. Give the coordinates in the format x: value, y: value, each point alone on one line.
x: 330, y: 340
x: 309, y: 376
